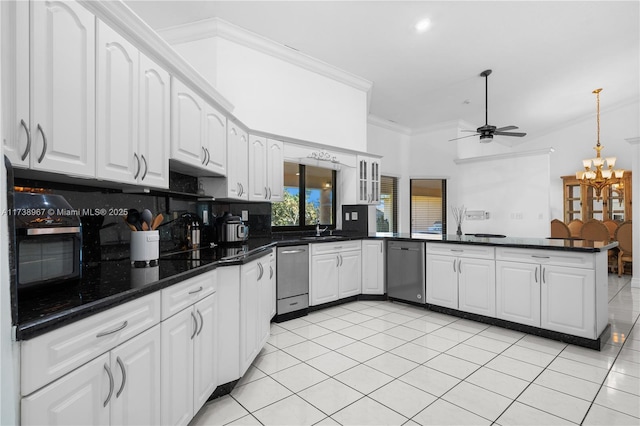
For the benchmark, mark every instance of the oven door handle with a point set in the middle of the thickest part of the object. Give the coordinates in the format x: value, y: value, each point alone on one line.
x: 47, y: 231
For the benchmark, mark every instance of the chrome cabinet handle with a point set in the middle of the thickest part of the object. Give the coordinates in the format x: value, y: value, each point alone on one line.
x: 341, y: 260
x: 26, y: 151
x: 196, y: 291
x: 270, y: 272
x: 454, y: 265
x: 269, y: 192
x: 241, y: 189
x: 544, y: 280
x: 115, y: 330
x: 540, y: 257
x: 138, y: 161
x: 108, y: 370
x: 337, y: 261
x: 457, y: 250
x: 204, y: 154
x: 201, y: 323
x: 238, y: 188
x: 460, y: 265
x: 124, y: 376
x: 266, y: 193
x: 261, y: 271
x: 146, y: 167
x: 208, y: 156
x: 44, y: 144
x: 536, y: 274
x: 195, y: 329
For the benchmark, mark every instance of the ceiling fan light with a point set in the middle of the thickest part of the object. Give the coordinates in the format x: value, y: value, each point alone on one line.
x: 486, y: 138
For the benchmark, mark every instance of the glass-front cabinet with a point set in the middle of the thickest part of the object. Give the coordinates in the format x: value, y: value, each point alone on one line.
x: 581, y: 203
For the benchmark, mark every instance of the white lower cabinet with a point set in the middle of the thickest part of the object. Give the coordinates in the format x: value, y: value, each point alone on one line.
x: 442, y: 280
x: 120, y: 387
x: 273, y: 278
x: 372, y: 267
x: 477, y: 286
x: 518, y: 292
x: 336, y: 271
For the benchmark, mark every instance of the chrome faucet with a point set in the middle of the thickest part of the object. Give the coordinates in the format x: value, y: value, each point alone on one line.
x: 318, y: 230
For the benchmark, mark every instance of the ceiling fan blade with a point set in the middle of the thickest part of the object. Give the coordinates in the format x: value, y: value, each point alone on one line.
x: 462, y: 137
x: 502, y: 129
x: 474, y: 131
x: 518, y: 134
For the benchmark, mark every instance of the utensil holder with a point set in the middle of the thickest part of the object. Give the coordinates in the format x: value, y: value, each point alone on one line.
x: 145, y: 246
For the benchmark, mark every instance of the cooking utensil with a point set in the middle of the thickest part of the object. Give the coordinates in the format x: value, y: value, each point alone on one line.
x: 146, y: 217
x: 133, y: 218
x: 157, y: 221
x: 133, y: 228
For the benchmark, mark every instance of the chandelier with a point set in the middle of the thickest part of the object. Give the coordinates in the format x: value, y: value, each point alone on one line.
x: 598, y: 177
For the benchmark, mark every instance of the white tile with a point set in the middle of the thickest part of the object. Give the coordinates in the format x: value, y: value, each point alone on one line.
x: 289, y: 411
x: 541, y: 359
x: 285, y: 339
x: 623, y: 382
x: 391, y: 306
x: 439, y: 318
x: 306, y: 350
x: 520, y: 369
x: 599, y: 416
x: 245, y: 421
x: 299, y: 377
x: 317, y: 316
x: 453, y: 334
x: 434, y: 342
x: 330, y: 396
x: 501, y: 383
x: 276, y: 329
x: 391, y: 364
x: 472, y: 354
x: 578, y: 369
x: 502, y: 334
x: 453, y: 366
x: 487, y: 343
x: 404, y: 333
x: 403, y: 398
x: 327, y: 421
x: 358, y: 332
x: 423, y: 324
x: 336, y: 311
x: 359, y: 351
x: 293, y: 324
x: 355, y: 317
x: 396, y: 317
x: 219, y: 412
x: 414, y: 312
x: 368, y: 412
x: 252, y: 374
x: 521, y: 414
x: 620, y: 401
x: 311, y: 331
x: 378, y: 324
x: 332, y: 363
x: 275, y: 361
x: 627, y: 367
x: 415, y: 353
x: 468, y: 326
x: 552, y: 347
x: 630, y: 355
x: 442, y: 412
x: 364, y: 379
x: 477, y: 400
x: 333, y: 340
x: 374, y: 312
x: 267, y: 349
x: 356, y: 306
x: 383, y: 341
x: 430, y: 380
x: 603, y: 359
x: 579, y: 388
x: 259, y: 393
x: 335, y: 324
x: 557, y: 403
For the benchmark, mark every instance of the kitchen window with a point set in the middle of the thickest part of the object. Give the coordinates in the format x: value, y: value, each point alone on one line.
x: 309, y: 198
x: 428, y: 206
x: 387, y: 209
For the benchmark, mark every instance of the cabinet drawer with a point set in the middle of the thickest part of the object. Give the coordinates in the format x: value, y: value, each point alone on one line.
x: 334, y: 247
x: 179, y: 296
x: 51, y: 355
x: 547, y: 257
x: 462, y: 250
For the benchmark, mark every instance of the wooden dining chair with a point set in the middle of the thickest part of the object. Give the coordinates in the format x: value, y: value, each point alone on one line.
x: 624, y: 238
x: 594, y: 230
x: 559, y: 229
x: 611, y: 225
x: 575, y: 226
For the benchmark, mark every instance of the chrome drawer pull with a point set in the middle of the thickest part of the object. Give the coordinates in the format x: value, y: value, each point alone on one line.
x: 195, y: 329
x: 146, y: 167
x: 106, y: 367
x: 201, y: 323
x: 115, y: 330
x: 26, y: 129
x: 196, y: 291
x: 44, y: 144
x: 124, y: 376
x: 137, y: 161
x: 540, y: 257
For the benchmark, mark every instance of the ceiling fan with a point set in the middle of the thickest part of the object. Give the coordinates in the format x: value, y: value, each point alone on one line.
x: 487, y: 131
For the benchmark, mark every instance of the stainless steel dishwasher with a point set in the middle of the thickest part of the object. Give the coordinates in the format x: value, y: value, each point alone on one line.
x: 292, y: 288
x: 406, y: 270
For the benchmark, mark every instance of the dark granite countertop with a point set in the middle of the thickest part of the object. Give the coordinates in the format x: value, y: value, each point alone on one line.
x: 110, y: 283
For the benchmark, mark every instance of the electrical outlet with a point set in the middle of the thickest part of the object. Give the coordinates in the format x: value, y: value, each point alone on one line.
x: 245, y: 215
x: 347, y: 216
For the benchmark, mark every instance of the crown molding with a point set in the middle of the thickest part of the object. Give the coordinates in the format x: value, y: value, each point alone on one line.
x: 504, y: 156
x: 216, y: 27
x: 445, y: 125
x: 374, y: 120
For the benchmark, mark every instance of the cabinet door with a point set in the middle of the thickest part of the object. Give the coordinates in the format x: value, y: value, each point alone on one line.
x: 518, y: 292
x: 477, y: 286
x: 375, y: 182
x: 324, y: 279
x: 568, y: 301
x: 154, y: 124
x: 117, y: 108
x: 264, y: 286
x: 63, y: 88
x: 136, y: 372
x: 177, y: 334
x: 273, y: 278
x: 16, y: 132
x: 350, y: 273
x: 75, y: 399
x: 187, y: 112
x: 275, y: 170
x: 372, y: 267
x: 237, y: 155
x: 258, y: 190
x: 205, y: 351
x: 215, y: 142
x: 249, y: 314
x: 363, y: 180
x: 442, y: 280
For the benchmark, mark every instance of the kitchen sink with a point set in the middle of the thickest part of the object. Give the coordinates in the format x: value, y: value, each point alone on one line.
x: 323, y: 238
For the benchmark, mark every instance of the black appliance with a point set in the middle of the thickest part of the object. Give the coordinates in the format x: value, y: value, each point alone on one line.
x: 48, y: 239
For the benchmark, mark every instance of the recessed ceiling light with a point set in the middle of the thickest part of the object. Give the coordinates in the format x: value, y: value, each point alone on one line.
x: 422, y: 25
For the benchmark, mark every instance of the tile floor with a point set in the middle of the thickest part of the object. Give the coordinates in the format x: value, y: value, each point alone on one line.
x: 383, y: 363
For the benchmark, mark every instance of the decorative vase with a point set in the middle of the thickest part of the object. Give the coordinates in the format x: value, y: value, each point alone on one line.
x: 459, y: 231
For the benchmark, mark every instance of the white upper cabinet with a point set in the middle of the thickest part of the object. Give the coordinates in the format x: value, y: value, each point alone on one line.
x: 199, y: 132
x: 275, y: 169
x: 236, y: 185
x: 266, y: 169
x: 62, y: 95
x: 368, y: 185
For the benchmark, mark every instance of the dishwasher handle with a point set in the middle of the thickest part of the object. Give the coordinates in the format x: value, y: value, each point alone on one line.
x: 292, y: 251
x: 404, y: 248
